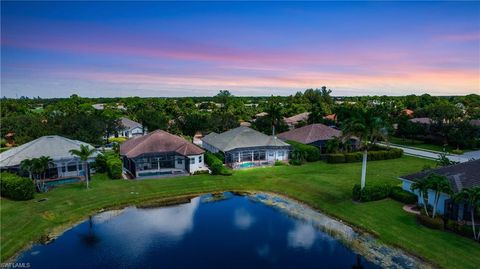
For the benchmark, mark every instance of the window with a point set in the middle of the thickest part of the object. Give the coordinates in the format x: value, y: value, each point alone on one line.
x: 199, y: 159
x: 72, y: 167
x: 179, y: 161
x: 64, y: 168
x: 192, y: 160
x: 280, y: 153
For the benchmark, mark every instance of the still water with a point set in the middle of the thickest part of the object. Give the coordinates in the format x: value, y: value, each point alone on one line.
x: 233, y: 232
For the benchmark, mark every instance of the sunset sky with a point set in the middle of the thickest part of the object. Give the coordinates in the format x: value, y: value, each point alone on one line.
x: 109, y: 49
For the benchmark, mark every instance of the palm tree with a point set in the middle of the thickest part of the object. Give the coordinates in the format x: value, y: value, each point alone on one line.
x: 422, y: 187
x: 44, y: 163
x: 27, y: 166
x: 472, y: 197
x: 439, y: 184
x: 84, y: 153
x: 367, y: 128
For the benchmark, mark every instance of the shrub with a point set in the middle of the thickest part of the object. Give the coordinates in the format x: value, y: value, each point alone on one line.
x: 295, y: 162
x: 279, y: 163
x: 311, y: 153
x: 457, y: 151
x: 16, y: 187
x: 353, y: 157
x: 336, y: 158
x: 216, y: 165
x: 100, y: 164
x: 370, y: 192
x: 436, y: 223
x: 403, y: 196
x: 118, y: 140
x: 114, y: 166
x: 201, y: 172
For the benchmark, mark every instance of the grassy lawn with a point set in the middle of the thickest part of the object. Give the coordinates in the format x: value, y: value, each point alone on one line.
x: 326, y: 187
x: 418, y: 144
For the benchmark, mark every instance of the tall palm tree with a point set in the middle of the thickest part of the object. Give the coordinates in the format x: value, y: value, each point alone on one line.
x: 84, y: 153
x: 422, y: 186
x: 44, y: 163
x: 472, y: 197
x: 367, y: 128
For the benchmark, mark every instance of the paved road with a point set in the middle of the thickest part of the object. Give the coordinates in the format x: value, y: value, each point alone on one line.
x: 434, y: 154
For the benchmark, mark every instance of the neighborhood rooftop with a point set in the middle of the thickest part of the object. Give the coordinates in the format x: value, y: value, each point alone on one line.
x: 311, y: 133
x: 158, y: 141
x: 463, y: 175
x: 242, y: 137
x: 54, y: 146
x: 128, y: 123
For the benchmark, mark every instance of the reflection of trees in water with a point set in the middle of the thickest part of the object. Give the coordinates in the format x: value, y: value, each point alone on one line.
x: 90, y: 238
x: 358, y: 264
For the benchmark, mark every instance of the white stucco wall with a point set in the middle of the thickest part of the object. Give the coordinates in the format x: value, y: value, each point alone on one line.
x: 198, y: 162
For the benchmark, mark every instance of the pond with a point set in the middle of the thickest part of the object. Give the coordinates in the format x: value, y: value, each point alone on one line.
x: 222, y: 231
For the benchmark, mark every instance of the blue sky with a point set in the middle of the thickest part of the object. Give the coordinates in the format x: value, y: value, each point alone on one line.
x: 258, y: 48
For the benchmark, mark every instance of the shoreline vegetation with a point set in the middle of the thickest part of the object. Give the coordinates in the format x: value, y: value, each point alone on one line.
x: 323, y: 187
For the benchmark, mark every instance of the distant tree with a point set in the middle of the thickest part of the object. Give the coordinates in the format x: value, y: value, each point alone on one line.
x: 275, y: 112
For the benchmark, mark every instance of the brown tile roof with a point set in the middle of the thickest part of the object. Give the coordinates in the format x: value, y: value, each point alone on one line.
x: 310, y: 133
x: 158, y: 141
x: 463, y: 175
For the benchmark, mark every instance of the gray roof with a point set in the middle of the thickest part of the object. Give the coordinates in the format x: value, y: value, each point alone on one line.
x: 242, y: 137
x: 54, y: 146
x: 129, y: 124
x: 463, y: 175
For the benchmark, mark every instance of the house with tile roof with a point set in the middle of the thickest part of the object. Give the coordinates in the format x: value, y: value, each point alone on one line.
x: 314, y: 134
x: 460, y: 176
x: 64, y: 166
x: 295, y: 119
x: 160, y: 154
x: 130, y: 128
x: 244, y: 147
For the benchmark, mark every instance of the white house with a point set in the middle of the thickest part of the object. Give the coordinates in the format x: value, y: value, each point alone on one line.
x: 244, y: 147
x: 65, y: 166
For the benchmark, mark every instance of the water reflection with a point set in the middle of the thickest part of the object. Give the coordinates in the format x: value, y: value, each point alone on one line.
x: 303, y: 235
x: 90, y: 238
x: 242, y: 219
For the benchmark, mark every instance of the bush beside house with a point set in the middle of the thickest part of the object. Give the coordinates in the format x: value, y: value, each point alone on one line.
x: 311, y: 153
x: 403, y: 196
x: 110, y: 163
x: 16, y: 187
x: 216, y: 165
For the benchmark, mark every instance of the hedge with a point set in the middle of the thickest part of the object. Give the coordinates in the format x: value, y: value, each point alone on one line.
x: 372, y: 155
x: 403, y: 196
x: 16, y: 187
x: 311, y: 153
x: 370, y: 192
x: 216, y: 165
x: 336, y: 158
x: 436, y: 223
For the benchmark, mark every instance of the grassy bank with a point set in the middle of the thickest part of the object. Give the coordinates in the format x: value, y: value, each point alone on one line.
x: 324, y: 186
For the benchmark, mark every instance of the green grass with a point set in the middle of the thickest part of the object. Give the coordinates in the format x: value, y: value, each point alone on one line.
x: 326, y: 187
x: 418, y: 144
